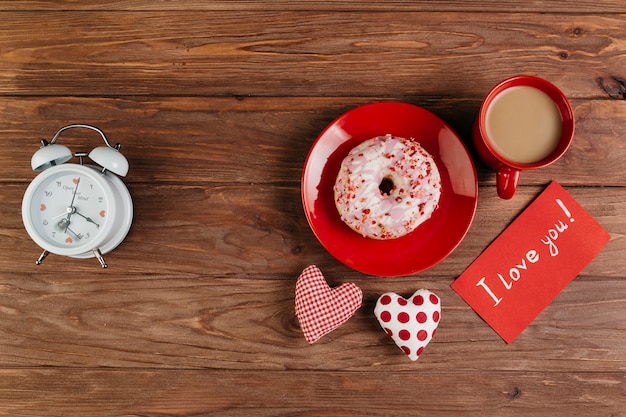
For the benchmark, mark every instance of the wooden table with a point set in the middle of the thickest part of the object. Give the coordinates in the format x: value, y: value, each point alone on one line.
x: 216, y: 105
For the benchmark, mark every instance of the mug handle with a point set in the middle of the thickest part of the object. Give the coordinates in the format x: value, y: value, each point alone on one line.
x: 506, y: 182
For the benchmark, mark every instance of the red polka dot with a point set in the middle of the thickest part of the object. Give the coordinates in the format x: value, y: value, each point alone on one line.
x: 420, y: 350
x: 403, y: 317
x: 434, y: 332
x: 406, y: 349
x: 385, y: 299
x: 421, y: 317
x: 436, y: 316
x: 389, y: 332
x: 404, y: 334
x: 422, y: 335
x: 385, y: 316
x: 401, y: 301
x: 434, y: 299
x: 418, y: 300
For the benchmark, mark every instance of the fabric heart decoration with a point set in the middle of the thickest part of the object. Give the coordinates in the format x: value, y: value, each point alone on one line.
x: 321, y: 309
x: 411, y: 323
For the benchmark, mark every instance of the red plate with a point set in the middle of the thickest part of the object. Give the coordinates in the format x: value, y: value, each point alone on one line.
x: 434, y: 239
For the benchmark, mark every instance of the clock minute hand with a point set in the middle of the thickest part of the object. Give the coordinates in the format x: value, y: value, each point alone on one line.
x: 71, y: 208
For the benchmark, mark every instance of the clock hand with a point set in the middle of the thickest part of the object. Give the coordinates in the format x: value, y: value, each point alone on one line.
x: 78, y: 236
x: 89, y: 219
x: 60, y: 215
x: 64, y: 224
x: 74, y: 195
x: 68, y: 211
x: 71, y: 209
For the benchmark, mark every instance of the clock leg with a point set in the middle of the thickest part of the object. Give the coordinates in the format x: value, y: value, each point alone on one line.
x: 98, y: 256
x: 42, y: 257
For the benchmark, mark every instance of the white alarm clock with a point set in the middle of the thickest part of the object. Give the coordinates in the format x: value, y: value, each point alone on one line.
x: 78, y: 210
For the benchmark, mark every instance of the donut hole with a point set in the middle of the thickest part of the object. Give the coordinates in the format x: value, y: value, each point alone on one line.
x: 386, y: 186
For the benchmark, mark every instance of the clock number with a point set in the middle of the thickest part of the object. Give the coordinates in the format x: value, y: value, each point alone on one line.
x: 45, y: 222
x: 59, y: 184
x: 48, y: 193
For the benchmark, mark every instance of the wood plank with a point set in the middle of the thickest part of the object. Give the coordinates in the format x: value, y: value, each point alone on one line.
x: 270, y: 53
x: 250, y: 230
x: 263, y: 140
x: 51, y: 319
x: 189, y: 289
x: 79, y: 392
x: 556, y: 6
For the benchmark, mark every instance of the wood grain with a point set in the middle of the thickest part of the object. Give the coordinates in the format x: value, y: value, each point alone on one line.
x: 216, y: 105
x: 74, y: 392
x: 556, y: 6
x: 306, y: 53
x: 205, y: 134
x: 177, y: 322
x: 250, y: 230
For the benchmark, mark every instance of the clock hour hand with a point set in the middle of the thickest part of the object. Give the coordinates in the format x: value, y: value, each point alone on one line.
x: 89, y: 219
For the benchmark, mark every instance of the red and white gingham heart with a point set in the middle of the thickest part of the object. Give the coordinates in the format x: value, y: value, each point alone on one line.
x: 411, y: 323
x: 321, y: 309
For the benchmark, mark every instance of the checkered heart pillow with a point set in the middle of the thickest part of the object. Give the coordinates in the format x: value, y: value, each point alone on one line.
x: 321, y: 309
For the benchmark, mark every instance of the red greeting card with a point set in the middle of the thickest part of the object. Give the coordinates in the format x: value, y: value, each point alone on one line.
x: 529, y: 264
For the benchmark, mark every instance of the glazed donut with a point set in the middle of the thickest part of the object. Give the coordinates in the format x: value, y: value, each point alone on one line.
x: 386, y: 187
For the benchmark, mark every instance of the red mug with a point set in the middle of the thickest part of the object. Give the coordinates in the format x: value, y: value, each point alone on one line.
x: 522, y: 128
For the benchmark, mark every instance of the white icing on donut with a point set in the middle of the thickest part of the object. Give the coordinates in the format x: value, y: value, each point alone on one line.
x: 386, y: 187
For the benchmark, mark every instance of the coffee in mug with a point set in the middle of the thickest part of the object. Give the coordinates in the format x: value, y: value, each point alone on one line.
x: 525, y: 122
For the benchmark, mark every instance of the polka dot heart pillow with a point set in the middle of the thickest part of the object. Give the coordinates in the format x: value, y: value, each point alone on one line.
x: 410, y: 323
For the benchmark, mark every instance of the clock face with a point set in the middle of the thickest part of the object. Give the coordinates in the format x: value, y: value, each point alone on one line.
x: 68, y: 209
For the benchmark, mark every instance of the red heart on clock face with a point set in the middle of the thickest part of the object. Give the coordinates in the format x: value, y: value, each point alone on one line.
x: 42, y: 207
x: 410, y: 323
x: 102, y: 213
x: 75, y: 180
x: 68, y: 239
